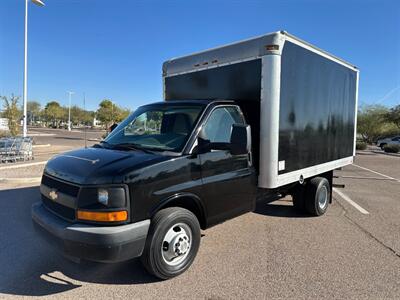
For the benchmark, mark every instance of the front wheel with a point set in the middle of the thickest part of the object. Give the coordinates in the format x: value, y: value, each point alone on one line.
x: 172, y: 242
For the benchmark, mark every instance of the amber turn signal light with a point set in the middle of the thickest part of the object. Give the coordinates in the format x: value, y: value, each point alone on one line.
x: 103, y: 216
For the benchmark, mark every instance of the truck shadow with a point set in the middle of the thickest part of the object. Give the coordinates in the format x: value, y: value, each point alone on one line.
x: 29, y: 267
x: 279, y: 208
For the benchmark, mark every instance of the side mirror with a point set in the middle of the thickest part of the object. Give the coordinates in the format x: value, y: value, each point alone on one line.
x: 203, y: 146
x: 240, y: 139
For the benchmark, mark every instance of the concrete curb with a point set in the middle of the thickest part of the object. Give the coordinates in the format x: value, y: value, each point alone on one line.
x: 23, y: 165
x: 21, y: 180
x: 386, y: 153
x: 41, y: 146
x: 41, y: 134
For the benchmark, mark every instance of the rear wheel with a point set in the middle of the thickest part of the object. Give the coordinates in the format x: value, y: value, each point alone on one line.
x: 298, y: 197
x: 318, y: 193
x: 172, y: 242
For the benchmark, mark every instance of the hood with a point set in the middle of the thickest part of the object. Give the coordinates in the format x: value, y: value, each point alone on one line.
x: 99, y: 165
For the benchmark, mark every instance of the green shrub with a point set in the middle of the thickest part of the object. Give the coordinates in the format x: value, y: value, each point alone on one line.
x: 361, y: 145
x: 391, y: 148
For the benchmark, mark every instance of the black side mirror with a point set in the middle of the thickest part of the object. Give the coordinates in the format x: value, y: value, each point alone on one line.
x: 203, y: 146
x: 240, y: 139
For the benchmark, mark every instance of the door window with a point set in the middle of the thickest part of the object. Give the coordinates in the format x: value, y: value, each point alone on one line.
x: 219, y: 125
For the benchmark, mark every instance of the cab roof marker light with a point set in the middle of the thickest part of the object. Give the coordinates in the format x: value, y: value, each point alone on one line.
x: 272, y: 47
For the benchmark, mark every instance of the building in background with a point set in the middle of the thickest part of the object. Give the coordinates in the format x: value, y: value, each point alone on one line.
x: 4, y: 124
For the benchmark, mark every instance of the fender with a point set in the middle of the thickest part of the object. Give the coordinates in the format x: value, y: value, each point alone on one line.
x: 199, y: 209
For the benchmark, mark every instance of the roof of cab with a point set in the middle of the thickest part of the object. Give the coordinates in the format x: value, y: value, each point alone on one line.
x: 191, y: 102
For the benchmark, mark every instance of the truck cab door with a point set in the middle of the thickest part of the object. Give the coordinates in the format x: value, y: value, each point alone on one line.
x: 228, y: 180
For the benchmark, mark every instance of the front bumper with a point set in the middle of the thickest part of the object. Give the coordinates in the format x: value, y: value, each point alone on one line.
x: 103, y: 244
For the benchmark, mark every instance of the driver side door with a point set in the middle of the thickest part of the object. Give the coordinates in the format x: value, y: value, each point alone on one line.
x: 228, y: 181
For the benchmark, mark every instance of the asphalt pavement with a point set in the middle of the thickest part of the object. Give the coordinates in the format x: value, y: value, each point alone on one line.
x: 273, y: 252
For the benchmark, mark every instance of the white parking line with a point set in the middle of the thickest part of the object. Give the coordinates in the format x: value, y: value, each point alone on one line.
x: 380, y: 174
x: 347, y: 198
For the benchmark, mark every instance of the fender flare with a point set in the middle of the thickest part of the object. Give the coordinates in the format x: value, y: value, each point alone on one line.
x: 194, y: 198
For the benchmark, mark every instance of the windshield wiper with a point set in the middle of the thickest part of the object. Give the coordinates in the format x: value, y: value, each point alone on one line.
x: 130, y: 146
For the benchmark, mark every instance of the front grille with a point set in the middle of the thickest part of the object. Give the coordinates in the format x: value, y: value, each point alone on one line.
x: 61, y: 186
x: 61, y: 210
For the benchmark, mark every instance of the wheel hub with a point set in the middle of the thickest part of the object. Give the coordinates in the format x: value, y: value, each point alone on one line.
x: 181, y: 244
x: 176, y: 244
x: 323, y: 197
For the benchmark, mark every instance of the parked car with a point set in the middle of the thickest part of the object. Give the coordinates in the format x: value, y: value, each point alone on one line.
x: 389, y: 140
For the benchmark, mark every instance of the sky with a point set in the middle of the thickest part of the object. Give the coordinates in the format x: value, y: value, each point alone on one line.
x: 115, y: 49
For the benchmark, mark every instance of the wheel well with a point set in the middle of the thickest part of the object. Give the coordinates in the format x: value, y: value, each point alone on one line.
x: 298, y: 188
x: 188, y: 203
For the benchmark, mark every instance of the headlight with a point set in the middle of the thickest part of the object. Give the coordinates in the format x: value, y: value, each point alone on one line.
x: 108, y: 203
x: 113, y: 197
x: 102, y: 196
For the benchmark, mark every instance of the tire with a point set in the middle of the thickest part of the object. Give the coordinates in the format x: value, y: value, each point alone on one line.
x: 318, y: 193
x: 298, y: 197
x: 172, y: 231
x: 382, y: 146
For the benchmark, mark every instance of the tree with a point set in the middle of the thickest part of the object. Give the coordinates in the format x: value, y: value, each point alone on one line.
x: 123, y: 113
x: 80, y: 116
x: 372, y: 123
x: 12, y: 113
x: 108, y: 113
x: 105, y: 112
x: 393, y: 116
x: 54, y: 113
x: 33, y: 110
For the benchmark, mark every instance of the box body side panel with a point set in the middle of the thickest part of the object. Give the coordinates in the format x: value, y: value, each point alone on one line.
x: 317, y: 109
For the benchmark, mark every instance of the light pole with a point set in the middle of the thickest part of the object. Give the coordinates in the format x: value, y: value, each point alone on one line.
x: 40, y: 3
x: 69, y: 110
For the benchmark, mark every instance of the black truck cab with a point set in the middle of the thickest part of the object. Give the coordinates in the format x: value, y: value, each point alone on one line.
x: 176, y: 162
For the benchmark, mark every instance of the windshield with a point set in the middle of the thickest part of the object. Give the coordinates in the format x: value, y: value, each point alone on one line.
x: 161, y: 127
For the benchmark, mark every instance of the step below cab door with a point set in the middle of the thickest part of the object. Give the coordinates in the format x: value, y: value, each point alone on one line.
x: 228, y: 180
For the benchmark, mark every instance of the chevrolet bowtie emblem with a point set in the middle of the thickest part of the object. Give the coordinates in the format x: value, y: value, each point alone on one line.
x: 53, y: 195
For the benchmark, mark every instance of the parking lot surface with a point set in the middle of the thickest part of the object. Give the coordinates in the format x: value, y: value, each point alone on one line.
x: 273, y: 252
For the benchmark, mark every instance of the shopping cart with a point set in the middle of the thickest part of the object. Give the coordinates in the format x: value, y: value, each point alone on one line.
x: 14, y: 149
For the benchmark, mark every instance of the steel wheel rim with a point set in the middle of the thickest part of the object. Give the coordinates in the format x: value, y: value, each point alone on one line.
x: 176, y: 244
x: 323, y: 198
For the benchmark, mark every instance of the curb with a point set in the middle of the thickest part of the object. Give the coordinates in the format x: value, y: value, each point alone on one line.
x: 23, y: 165
x: 21, y: 180
x: 41, y: 146
x: 386, y: 153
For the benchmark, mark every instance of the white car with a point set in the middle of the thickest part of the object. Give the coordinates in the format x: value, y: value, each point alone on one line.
x: 392, y: 140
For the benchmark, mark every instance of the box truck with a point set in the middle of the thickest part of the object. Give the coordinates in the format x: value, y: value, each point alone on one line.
x: 272, y: 115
